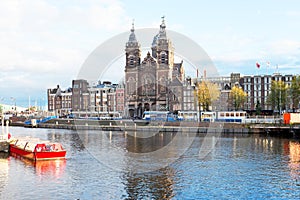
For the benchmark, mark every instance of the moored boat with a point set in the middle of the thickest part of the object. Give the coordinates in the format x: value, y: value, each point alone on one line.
x: 34, y: 149
x: 4, y: 138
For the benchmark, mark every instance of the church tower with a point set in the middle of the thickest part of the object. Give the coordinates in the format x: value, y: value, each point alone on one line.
x: 163, y: 51
x: 133, y: 59
x: 133, y: 53
x: 152, y: 83
x: 162, y: 48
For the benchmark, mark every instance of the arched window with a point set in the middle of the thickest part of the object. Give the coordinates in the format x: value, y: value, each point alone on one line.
x: 131, y: 60
x: 163, y: 57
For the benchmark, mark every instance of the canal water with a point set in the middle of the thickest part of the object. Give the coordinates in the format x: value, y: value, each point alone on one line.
x: 119, y: 165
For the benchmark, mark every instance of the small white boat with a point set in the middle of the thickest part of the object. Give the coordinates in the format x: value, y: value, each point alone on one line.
x: 4, y: 138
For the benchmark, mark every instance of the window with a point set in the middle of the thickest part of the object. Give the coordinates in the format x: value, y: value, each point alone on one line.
x: 163, y: 57
x: 131, y: 60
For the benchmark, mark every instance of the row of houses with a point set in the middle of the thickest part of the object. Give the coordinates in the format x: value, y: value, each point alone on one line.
x: 104, y: 97
x: 108, y: 97
x: 257, y: 88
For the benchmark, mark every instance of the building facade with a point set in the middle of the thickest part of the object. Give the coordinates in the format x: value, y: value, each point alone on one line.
x: 102, y: 97
x: 59, y: 101
x: 80, y: 95
x: 120, y: 99
x: 156, y: 82
x: 258, y: 88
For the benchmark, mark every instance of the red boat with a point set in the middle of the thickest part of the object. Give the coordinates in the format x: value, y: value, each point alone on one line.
x: 35, y: 149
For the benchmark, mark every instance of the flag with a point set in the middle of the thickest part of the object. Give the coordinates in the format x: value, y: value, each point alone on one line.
x: 257, y: 65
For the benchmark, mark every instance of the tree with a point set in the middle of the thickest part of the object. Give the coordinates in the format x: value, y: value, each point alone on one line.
x: 206, y: 92
x: 295, y: 92
x: 238, y: 97
x: 277, y: 97
x: 258, y: 108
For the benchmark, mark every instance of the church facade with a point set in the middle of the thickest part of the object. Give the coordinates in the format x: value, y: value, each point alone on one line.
x: 154, y: 83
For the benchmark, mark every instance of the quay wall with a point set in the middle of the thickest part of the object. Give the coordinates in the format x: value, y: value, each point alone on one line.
x: 192, y: 127
x: 4, y: 146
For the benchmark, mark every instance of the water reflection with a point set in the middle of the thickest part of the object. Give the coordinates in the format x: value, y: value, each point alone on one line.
x: 154, y: 185
x: 51, y: 168
x: 73, y: 139
x: 54, y: 168
x: 294, y: 164
x: 238, y: 167
x: 4, y: 169
x: 129, y: 141
x: 137, y: 144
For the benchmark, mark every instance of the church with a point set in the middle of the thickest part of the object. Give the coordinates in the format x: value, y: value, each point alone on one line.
x: 154, y: 83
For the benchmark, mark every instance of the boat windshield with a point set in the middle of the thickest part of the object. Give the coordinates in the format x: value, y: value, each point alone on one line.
x: 57, y: 147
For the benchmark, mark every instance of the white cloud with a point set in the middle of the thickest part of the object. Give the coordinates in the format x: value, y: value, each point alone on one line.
x: 44, y: 43
x: 285, y: 47
x: 9, y: 15
x: 293, y: 13
x: 239, y: 54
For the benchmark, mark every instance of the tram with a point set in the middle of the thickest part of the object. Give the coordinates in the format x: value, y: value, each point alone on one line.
x: 231, y: 116
x: 212, y: 116
x: 159, y: 116
x: 188, y: 116
x: 206, y: 116
x: 96, y: 115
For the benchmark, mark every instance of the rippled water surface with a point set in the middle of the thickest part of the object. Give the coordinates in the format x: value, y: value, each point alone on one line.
x: 97, y: 167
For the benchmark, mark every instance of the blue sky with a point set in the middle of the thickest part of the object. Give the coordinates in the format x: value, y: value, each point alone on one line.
x: 44, y: 43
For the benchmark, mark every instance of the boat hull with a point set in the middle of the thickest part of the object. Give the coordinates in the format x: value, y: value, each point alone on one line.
x: 33, y: 155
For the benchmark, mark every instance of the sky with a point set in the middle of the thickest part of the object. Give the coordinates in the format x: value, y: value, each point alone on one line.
x: 43, y: 43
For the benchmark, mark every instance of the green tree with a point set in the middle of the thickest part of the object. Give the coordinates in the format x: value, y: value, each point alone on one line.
x: 277, y: 97
x: 258, y: 108
x: 295, y: 92
x: 238, y: 97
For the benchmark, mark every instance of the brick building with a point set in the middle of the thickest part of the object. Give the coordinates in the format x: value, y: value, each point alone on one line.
x: 59, y: 101
x: 155, y: 82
